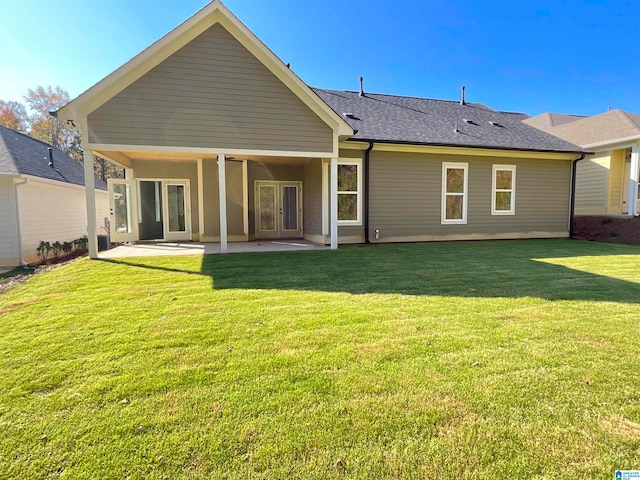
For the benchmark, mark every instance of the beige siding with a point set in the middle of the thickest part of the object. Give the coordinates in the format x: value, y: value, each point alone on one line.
x: 235, y: 227
x: 592, y: 179
x: 268, y: 171
x: 177, y: 170
x: 212, y: 93
x: 54, y: 212
x: 406, y: 198
x: 616, y: 182
x: 312, y: 200
x: 8, y: 231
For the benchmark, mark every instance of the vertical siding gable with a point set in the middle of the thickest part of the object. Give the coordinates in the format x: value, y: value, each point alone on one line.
x: 211, y: 93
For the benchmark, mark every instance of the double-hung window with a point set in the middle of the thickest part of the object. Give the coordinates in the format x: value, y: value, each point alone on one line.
x: 454, y: 192
x: 503, y: 191
x: 349, y: 192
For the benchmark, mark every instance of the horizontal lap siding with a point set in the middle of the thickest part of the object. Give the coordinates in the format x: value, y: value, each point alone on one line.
x: 8, y: 232
x: 54, y: 213
x: 211, y: 93
x: 406, y: 197
x: 211, y: 198
x: 312, y: 198
x: 592, y: 183
x: 616, y: 183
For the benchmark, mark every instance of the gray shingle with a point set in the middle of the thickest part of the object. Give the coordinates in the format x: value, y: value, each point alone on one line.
x: 23, y: 155
x: 394, y: 119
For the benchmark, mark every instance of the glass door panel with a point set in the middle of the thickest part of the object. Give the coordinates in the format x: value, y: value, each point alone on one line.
x: 176, y: 208
x: 289, y: 207
x: 123, y: 210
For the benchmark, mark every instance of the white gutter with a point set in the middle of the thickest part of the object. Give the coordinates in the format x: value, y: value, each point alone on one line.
x: 15, y: 194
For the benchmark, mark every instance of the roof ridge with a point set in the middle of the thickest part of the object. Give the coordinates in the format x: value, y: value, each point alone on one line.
x: 633, y: 122
x: 37, y: 140
x: 405, y: 96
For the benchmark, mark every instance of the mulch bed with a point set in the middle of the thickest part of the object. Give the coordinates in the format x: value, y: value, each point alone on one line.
x: 601, y: 228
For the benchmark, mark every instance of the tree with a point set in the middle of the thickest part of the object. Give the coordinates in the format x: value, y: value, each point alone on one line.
x: 13, y: 115
x: 44, y: 126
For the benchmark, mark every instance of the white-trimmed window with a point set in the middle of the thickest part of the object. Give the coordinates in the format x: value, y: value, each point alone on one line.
x: 349, y: 192
x: 454, y: 192
x: 503, y: 190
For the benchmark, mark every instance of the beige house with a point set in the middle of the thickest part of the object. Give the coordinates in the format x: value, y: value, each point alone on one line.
x: 607, y: 182
x: 42, y: 198
x: 222, y: 142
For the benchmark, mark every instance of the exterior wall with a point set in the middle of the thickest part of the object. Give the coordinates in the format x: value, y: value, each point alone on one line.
x: 8, y: 233
x: 312, y: 201
x: 616, y: 183
x: 212, y: 93
x: 270, y: 171
x: 156, y: 169
x: 235, y: 227
x: 54, y: 211
x: 405, y: 202
x: 592, y: 179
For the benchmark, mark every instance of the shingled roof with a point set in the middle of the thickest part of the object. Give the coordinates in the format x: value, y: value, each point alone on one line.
x: 23, y: 155
x: 612, y: 126
x: 424, y: 121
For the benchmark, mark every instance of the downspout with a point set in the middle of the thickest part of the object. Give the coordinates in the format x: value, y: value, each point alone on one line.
x: 572, y: 207
x: 15, y: 193
x: 366, y: 192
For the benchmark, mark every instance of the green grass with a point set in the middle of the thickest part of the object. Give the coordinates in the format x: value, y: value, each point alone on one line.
x: 501, y: 360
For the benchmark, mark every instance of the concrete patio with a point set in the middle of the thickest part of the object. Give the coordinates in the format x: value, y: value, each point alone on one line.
x: 155, y: 249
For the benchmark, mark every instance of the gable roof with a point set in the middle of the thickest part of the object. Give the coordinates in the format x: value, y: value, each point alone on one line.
x: 23, y: 155
x: 213, y: 13
x: 548, y: 120
x: 424, y: 121
x: 608, y: 127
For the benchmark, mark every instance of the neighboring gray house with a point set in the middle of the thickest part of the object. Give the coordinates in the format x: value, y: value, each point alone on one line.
x: 41, y: 197
x: 221, y: 142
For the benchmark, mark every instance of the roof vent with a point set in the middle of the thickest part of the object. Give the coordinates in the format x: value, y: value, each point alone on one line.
x: 50, y: 157
x: 362, y: 86
x: 349, y: 115
x: 462, y: 102
x: 495, y: 124
x: 470, y: 122
x: 455, y: 129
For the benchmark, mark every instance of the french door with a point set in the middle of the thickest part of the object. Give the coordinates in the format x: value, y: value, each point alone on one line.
x: 278, y: 209
x: 126, y: 218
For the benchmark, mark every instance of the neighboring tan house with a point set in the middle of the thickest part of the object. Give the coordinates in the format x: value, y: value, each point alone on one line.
x: 606, y: 182
x: 221, y: 142
x: 42, y: 197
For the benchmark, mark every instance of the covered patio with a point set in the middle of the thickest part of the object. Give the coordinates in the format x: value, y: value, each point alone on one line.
x: 157, y: 249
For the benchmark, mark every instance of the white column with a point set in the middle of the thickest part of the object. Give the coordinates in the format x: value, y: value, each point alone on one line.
x: 90, y: 195
x: 245, y: 198
x: 200, y: 201
x: 333, y: 221
x: 222, y: 189
x: 633, y: 182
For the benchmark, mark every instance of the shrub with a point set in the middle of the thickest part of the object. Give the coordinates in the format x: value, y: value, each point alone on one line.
x: 57, y: 249
x: 43, y: 251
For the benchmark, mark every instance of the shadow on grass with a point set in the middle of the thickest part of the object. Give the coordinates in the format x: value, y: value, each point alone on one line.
x: 459, y: 269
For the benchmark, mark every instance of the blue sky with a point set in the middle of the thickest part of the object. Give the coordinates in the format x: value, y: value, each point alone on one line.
x: 531, y: 56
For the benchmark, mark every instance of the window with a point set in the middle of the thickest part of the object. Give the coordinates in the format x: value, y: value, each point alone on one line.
x: 349, y: 192
x: 503, y: 200
x: 454, y: 192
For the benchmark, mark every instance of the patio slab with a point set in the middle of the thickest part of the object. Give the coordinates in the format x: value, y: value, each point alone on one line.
x: 155, y: 249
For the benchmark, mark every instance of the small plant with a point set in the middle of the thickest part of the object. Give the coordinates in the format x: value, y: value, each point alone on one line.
x: 67, y: 248
x: 43, y: 251
x: 57, y: 249
x: 82, y: 243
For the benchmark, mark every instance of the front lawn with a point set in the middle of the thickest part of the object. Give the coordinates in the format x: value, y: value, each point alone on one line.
x: 470, y: 360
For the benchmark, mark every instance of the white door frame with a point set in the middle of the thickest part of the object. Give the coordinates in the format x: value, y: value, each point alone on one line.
x: 128, y: 232
x: 279, y: 231
x: 183, y: 235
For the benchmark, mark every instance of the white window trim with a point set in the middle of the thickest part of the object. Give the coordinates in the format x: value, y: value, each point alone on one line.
x: 358, y: 163
x: 494, y: 190
x: 464, y: 194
